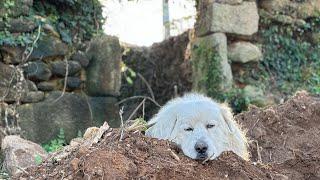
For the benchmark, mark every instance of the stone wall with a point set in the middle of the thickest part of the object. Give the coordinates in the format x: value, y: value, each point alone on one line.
x: 228, y: 45
x: 50, y: 84
x: 217, y: 22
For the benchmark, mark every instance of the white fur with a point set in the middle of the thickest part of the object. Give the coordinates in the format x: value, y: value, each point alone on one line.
x: 197, y: 111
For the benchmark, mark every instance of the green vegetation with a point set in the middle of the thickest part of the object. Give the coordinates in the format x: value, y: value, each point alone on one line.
x: 57, y: 143
x: 72, y: 19
x: 206, y: 60
x: 38, y: 159
x: 290, y: 58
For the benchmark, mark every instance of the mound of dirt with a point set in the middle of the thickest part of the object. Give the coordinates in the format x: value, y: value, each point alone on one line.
x: 287, y: 136
x: 284, y: 140
x: 140, y: 157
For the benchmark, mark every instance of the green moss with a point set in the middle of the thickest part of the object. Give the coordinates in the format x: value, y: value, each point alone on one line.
x: 207, y: 68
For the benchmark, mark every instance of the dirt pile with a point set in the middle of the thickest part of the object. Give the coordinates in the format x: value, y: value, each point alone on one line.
x: 140, y: 157
x: 287, y: 137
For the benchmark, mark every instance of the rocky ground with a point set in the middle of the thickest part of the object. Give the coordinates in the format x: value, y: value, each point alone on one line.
x: 283, y: 144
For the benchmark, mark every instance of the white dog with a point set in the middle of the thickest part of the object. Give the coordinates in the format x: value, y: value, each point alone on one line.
x: 201, y: 127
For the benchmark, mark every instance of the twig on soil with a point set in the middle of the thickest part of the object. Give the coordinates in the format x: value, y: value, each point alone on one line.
x: 138, y: 97
x: 20, y: 168
x: 253, y: 126
x: 122, y: 125
x: 284, y: 142
x: 208, y: 158
x: 147, y: 84
x: 258, y: 152
x: 174, y: 155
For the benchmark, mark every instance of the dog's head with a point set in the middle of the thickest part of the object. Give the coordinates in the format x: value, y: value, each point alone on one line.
x: 202, y: 128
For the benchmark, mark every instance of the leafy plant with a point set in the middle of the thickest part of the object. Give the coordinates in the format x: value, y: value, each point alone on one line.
x: 290, y: 59
x: 38, y: 159
x: 57, y: 143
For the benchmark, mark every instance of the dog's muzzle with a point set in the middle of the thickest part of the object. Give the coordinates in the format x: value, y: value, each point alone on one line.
x: 201, y: 148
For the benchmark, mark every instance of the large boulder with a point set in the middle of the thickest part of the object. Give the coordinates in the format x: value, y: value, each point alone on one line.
x: 19, y: 154
x: 103, y: 72
x: 41, y: 122
x: 244, y: 52
x: 49, y: 47
x: 206, y: 50
x: 241, y: 19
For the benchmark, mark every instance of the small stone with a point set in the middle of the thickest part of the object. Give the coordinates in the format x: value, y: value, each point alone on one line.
x: 80, y: 57
x: 76, y: 142
x: 73, y: 82
x: 32, y: 97
x: 12, y: 54
x: 244, y: 52
x: 59, y: 68
x: 37, y: 71
x: 90, y: 133
x: 46, y: 86
x: 32, y: 86
x: 75, y: 164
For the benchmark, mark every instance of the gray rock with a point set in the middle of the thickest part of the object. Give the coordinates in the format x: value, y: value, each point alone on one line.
x: 46, y: 86
x: 41, y: 122
x: 80, y: 57
x: 104, y: 108
x: 59, y: 68
x: 12, y: 54
x: 244, y: 52
x: 239, y: 19
x: 32, y: 86
x: 19, y: 25
x: 48, y: 47
x: 37, y: 71
x: 256, y: 96
x: 73, y: 82
x: 21, y: 7
x: 296, y: 9
x: 103, y: 72
x: 20, y: 154
x: 218, y: 44
x: 33, y: 96
x: 10, y: 81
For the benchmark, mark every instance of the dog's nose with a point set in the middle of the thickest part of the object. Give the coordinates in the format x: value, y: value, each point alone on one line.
x: 201, y: 147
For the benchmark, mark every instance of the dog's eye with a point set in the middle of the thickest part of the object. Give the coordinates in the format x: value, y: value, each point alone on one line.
x: 210, y: 126
x: 189, y: 129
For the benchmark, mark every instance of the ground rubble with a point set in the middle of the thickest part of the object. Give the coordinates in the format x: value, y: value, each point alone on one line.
x: 290, y: 132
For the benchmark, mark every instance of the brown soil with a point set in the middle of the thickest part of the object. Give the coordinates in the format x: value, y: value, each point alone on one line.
x: 288, y: 137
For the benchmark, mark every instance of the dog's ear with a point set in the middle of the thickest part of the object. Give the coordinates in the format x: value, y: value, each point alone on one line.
x: 227, y: 116
x: 162, y: 125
